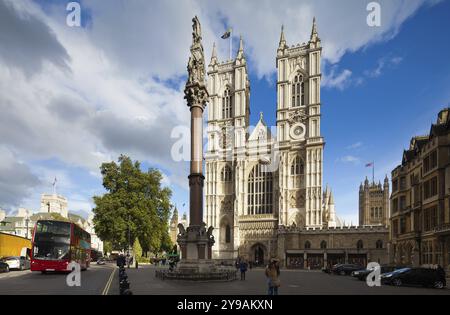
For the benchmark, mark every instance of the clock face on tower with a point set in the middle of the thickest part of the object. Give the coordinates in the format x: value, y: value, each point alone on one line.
x: 297, y: 131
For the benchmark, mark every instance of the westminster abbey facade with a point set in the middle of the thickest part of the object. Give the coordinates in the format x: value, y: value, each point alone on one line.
x: 257, y: 182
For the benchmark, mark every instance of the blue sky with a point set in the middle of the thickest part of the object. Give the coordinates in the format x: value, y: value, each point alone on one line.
x: 84, y: 96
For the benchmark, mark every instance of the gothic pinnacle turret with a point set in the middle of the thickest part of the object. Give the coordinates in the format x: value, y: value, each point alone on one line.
x: 386, y: 181
x: 282, y: 45
x: 331, y: 199
x: 213, y: 56
x: 366, y: 183
x: 240, y: 53
x: 174, y: 220
x: 314, y: 34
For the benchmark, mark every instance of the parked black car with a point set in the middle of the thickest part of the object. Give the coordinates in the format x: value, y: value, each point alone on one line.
x: 4, y: 267
x: 362, y: 274
x: 415, y: 276
x: 345, y: 269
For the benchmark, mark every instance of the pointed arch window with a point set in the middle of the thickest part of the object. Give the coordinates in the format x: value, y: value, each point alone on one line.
x: 297, y: 167
x: 260, y: 191
x: 228, y: 234
x: 227, y: 104
x: 298, y: 91
x: 307, y: 245
x: 226, y: 174
x: 323, y: 245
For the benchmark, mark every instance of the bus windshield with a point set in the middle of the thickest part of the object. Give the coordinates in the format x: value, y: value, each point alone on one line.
x: 52, y: 240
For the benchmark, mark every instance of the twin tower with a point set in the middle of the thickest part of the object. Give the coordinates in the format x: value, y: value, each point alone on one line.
x: 246, y: 201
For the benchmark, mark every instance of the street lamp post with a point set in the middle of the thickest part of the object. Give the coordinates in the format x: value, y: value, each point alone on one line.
x: 26, y: 222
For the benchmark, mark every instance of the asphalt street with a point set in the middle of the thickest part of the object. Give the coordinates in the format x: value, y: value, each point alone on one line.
x: 94, y: 281
x: 104, y: 280
x: 293, y: 282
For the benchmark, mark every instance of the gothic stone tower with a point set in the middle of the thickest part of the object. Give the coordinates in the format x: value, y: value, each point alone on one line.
x: 228, y: 120
x: 374, y: 203
x: 254, y: 181
x: 298, y: 124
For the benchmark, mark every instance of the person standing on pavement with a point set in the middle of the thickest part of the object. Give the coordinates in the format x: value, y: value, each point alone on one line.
x: 243, y: 269
x: 273, y: 277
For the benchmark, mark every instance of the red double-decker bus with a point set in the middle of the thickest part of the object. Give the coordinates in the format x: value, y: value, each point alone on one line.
x: 57, y: 243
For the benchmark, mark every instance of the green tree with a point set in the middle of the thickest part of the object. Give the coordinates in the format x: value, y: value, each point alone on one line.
x: 107, y: 247
x: 137, y: 249
x: 135, y: 203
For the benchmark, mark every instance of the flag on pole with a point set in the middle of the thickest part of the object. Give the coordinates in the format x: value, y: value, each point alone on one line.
x: 54, y: 182
x: 227, y: 34
x: 372, y: 165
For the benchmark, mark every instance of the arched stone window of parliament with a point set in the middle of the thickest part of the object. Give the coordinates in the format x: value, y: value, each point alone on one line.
x: 260, y: 191
x: 298, y: 91
x: 323, y: 245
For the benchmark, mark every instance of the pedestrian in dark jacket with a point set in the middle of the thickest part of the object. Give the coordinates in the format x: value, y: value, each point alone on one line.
x: 243, y: 269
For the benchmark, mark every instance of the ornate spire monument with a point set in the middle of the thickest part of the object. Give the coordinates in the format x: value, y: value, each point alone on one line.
x: 196, y: 241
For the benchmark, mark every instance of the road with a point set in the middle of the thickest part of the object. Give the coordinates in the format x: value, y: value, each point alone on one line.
x: 293, y: 282
x: 104, y: 280
x: 93, y: 282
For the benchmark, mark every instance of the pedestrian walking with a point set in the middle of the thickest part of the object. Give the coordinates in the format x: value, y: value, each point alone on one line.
x: 273, y: 277
x: 243, y: 269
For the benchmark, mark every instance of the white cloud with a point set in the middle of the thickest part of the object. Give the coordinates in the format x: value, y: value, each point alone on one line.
x: 382, y: 64
x: 337, y: 80
x: 16, y: 179
x: 341, y: 24
x: 85, y: 95
x: 350, y: 159
x: 355, y: 145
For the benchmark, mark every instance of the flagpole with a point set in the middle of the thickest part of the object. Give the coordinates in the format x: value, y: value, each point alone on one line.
x: 231, y: 41
x: 373, y: 172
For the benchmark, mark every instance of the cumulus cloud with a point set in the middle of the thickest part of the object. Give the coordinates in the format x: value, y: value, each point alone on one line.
x: 382, y: 64
x: 339, y: 80
x: 85, y: 95
x: 355, y: 145
x: 27, y: 42
x: 16, y: 179
x: 350, y: 159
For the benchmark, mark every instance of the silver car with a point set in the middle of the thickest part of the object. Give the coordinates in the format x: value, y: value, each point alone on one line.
x: 16, y: 262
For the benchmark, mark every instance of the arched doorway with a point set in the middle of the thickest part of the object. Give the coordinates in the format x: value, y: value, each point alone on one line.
x: 257, y: 254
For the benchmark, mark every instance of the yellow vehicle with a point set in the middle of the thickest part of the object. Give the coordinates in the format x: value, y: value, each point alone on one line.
x: 13, y: 245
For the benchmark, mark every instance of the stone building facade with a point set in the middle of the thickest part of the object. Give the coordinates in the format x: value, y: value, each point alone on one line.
x: 374, y: 203
x: 53, y: 203
x: 261, y: 180
x: 256, y: 182
x: 316, y: 248
x: 420, y: 203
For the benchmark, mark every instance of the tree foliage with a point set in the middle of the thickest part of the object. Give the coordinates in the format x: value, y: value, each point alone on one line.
x: 135, y: 200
